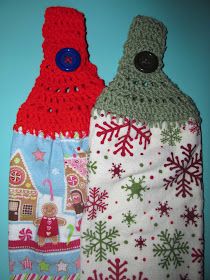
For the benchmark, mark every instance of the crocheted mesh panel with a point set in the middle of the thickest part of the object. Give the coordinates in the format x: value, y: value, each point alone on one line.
x: 60, y: 102
x: 146, y: 97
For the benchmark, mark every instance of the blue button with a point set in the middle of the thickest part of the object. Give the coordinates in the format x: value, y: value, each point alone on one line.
x: 68, y: 59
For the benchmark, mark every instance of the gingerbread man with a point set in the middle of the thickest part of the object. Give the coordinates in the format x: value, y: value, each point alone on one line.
x: 77, y: 201
x: 48, y: 224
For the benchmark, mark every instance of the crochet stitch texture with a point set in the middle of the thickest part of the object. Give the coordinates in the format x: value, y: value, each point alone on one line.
x: 150, y: 98
x: 60, y: 102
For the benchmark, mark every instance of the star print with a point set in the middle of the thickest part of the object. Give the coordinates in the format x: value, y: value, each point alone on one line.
x: 11, y: 265
x: 77, y: 263
x: 43, y: 266
x: 61, y: 266
x: 55, y: 171
x: 26, y: 263
x: 39, y: 155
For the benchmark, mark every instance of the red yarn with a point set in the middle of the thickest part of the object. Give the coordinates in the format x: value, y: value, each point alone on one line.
x: 61, y: 102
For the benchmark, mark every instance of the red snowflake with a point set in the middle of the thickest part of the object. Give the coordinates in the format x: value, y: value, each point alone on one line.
x: 163, y: 208
x: 191, y: 216
x: 185, y: 277
x: 194, y: 127
x: 187, y: 171
x: 95, y: 202
x: 197, y: 255
x: 140, y: 242
x: 116, y: 170
x: 117, y: 272
x: 123, y: 134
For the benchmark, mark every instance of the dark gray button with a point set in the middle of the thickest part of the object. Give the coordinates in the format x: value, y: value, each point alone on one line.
x: 146, y: 62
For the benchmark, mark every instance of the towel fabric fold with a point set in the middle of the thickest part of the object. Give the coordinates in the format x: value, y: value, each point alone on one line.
x: 143, y: 216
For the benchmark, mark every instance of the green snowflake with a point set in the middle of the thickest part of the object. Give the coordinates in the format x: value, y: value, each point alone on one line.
x: 129, y: 218
x: 100, y: 241
x: 92, y: 166
x: 171, y: 136
x: 171, y: 249
x: 136, y: 188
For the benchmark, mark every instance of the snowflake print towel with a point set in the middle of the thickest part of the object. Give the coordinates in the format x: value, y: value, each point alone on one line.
x: 143, y: 215
x: 48, y: 167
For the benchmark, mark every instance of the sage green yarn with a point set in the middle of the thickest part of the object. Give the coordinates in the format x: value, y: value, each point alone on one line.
x: 150, y: 98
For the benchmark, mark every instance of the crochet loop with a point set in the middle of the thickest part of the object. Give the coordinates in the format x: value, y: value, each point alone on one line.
x: 60, y: 101
x: 149, y: 97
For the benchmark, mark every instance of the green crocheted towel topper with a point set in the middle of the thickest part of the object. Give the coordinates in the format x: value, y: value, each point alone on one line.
x: 140, y: 89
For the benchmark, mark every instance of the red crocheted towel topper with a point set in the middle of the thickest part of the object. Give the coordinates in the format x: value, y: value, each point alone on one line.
x: 61, y: 101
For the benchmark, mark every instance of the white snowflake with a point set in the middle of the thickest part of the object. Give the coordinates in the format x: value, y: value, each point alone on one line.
x: 55, y: 171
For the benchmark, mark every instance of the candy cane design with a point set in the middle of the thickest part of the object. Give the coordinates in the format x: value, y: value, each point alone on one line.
x: 71, y: 230
x: 48, y: 181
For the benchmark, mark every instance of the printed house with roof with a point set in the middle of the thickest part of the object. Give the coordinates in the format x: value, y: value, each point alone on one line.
x: 75, y: 175
x: 22, y: 191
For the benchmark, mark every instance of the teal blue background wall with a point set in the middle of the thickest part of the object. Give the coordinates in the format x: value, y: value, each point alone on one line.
x: 187, y: 62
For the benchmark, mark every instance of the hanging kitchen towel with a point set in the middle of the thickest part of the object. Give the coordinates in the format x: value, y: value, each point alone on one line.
x: 47, y: 183
x: 143, y: 216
